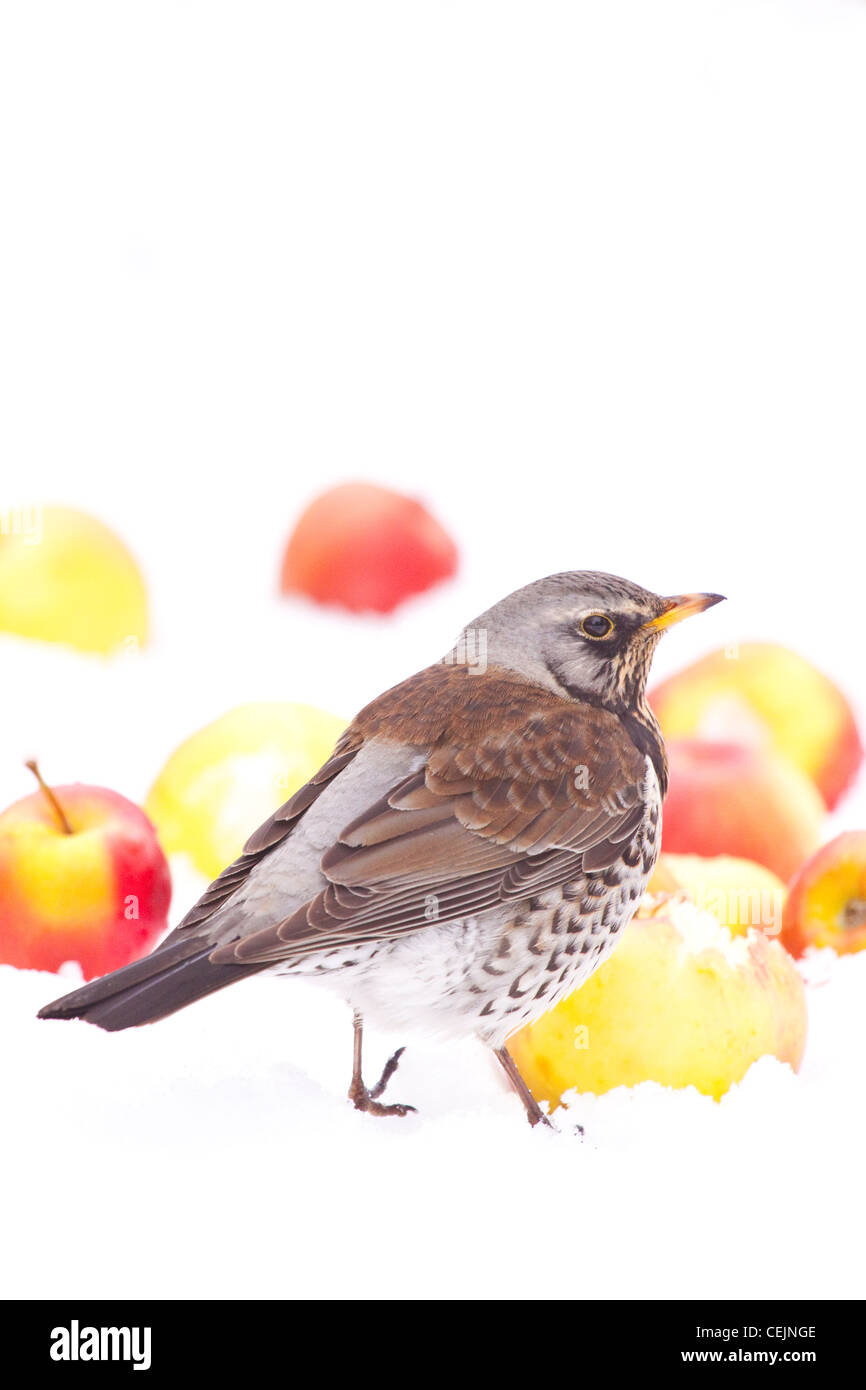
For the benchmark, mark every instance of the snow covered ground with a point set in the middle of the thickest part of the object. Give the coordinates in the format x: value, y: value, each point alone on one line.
x: 215, y: 1155
x: 590, y: 279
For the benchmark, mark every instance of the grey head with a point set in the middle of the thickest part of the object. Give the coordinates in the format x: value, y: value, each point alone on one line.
x: 585, y: 634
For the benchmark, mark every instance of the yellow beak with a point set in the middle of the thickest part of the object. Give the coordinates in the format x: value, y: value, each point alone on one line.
x: 683, y: 606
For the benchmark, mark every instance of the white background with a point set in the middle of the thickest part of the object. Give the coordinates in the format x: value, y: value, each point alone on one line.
x: 587, y: 277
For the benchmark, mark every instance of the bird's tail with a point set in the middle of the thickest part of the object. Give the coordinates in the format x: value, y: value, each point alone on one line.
x: 171, y: 977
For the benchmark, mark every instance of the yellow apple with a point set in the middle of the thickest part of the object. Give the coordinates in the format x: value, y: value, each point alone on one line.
x: 227, y: 778
x: 65, y: 577
x: 739, y: 892
x: 680, y: 1001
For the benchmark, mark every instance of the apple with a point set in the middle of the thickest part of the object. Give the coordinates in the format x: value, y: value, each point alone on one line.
x: 767, y: 696
x: 65, y: 577
x: 739, y: 892
x: 366, y: 548
x: 679, y: 1001
x: 727, y: 798
x: 826, y: 903
x: 82, y: 877
x: 229, y: 776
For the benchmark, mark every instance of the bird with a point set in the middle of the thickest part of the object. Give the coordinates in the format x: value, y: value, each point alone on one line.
x: 469, y: 853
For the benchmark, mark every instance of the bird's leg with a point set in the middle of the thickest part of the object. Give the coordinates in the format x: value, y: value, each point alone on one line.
x: 534, y: 1113
x: 359, y: 1095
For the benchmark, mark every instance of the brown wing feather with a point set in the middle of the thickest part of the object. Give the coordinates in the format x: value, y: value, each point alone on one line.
x: 272, y: 833
x: 547, y: 789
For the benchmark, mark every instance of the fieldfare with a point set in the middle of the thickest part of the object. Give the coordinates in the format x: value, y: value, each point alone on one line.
x: 470, y: 851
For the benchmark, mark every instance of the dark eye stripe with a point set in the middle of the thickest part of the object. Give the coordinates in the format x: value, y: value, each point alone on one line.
x: 596, y: 625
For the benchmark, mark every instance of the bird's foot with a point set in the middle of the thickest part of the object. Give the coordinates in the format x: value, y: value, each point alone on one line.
x: 534, y: 1113
x: 368, y: 1100
x: 539, y: 1117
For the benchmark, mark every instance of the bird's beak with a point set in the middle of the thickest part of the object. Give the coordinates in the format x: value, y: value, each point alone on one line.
x: 682, y: 606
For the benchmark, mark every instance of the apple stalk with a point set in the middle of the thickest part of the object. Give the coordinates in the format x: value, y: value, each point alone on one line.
x: 49, y: 794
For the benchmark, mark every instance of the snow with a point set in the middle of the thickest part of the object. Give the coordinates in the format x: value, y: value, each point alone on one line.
x: 700, y: 930
x: 215, y: 1155
x: 592, y: 283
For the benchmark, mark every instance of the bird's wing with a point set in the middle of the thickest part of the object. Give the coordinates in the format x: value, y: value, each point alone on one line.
x: 268, y: 837
x: 549, y: 790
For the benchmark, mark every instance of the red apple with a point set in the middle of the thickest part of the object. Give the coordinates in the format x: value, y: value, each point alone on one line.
x: 82, y: 877
x: 768, y: 696
x: 826, y: 904
x: 366, y: 548
x: 726, y: 798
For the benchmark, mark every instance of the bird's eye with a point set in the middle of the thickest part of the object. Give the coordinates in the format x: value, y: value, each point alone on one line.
x: 596, y: 625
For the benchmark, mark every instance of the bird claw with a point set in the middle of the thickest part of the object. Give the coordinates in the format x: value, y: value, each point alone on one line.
x: 368, y: 1099
x: 388, y: 1071
x: 373, y: 1107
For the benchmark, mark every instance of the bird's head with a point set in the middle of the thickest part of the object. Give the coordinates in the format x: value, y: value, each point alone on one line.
x: 586, y: 633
